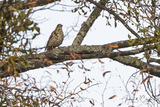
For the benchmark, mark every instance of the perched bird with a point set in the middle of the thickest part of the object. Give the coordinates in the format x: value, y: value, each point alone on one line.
x: 56, y: 38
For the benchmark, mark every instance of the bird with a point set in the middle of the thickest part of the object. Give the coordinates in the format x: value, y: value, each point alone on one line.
x: 56, y: 38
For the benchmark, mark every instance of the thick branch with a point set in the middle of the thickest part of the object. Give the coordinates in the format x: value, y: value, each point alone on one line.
x: 75, y: 52
x: 87, y: 25
x: 130, y: 61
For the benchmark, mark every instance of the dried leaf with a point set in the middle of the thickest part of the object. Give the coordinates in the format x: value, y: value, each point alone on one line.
x: 9, y: 68
x: 45, y: 59
x: 108, y: 54
x: 86, y: 69
x: 72, y: 97
x: 148, y: 77
x: 149, y: 11
x: 119, y: 104
x: 59, y: 98
x: 143, y: 70
x: 6, y: 81
x: 19, y: 85
x: 71, y: 93
x: 52, y: 88
x: 16, y: 102
x: 34, y: 80
x: 5, y: 61
x: 81, y: 88
x: 113, y: 46
x: 106, y: 73
x: 133, y: 82
x: 112, y: 97
x: 69, y: 63
x: 48, y: 72
x: 135, y: 90
x: 100, y: 61
x: 81, y: 67
x: 49, y: 62
x: 141, y: 10
x: 72, y: 55
x: 112, y: 8
x: 1, y: 79
x: 86, y: 81
x: 35, y: 88
x: 92, y: 102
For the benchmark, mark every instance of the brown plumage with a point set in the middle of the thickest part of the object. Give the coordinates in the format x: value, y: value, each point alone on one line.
x: 56, y: 38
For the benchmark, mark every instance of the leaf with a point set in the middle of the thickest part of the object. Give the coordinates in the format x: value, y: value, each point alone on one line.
x: 135, y: 90
x: 112, y: 97
x: 19, y: 85
x: 112, y: 8
x: 48, y: 72
x: 113, y: 46
x: 106, y: 73
x: 69, y: 63
x: 1, y: 80
x: 72, y: 55
x: 143, y: 70
x: 133, y: 82
x: 129, y: 36
x: 5, y: 61
x: 12, y: 8
x: 6, y: 82
x: 86, y: 81
x: 148, y: 77
x: 149, y: 11
x: 92, y: 102
x: 100, y: 61
x: 81, y: 67
x: 108, y: 54
x: 52, y: 88
x: 59, y: 98
x: 82, y: 89
x: 8, y: 69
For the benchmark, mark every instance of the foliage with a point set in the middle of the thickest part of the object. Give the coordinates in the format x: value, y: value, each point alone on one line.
x: 16, y: 31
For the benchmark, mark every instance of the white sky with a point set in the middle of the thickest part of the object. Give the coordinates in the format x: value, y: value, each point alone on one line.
x: 99, y: 34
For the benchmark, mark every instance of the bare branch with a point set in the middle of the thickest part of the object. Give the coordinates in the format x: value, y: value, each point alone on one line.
x: 118, y: 17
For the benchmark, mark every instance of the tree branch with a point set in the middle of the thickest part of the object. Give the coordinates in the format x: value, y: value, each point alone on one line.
x: 87, y: 25
x: 117, y: 16
x: 26, y: 4
x: 76, y: 52
x: 130, y: 61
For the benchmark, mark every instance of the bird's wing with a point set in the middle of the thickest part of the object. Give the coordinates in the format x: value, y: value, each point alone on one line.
x: 53, y: 33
